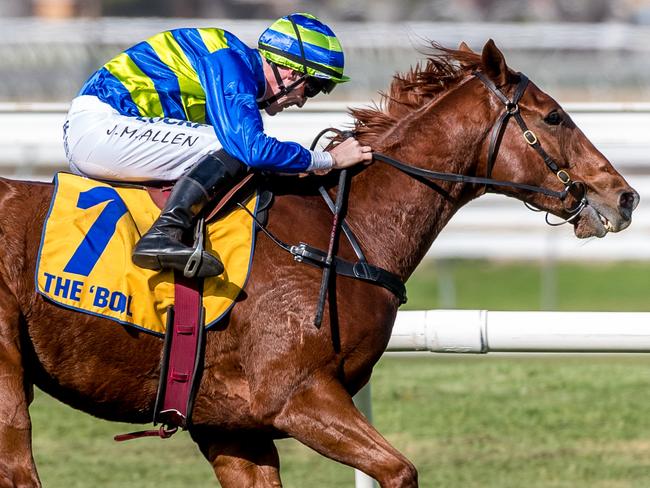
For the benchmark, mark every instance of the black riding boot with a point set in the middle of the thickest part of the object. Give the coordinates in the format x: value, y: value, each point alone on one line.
x: 161, y: 246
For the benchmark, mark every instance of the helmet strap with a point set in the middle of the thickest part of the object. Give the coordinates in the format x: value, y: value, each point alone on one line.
x: 284, y: 90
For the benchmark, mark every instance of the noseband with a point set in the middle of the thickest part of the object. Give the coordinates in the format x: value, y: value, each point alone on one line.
x: 511, y: 110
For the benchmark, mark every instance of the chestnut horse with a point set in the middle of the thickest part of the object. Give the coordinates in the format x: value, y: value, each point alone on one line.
x: 269, y: 373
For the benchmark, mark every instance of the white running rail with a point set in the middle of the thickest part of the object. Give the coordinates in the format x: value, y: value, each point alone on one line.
x: 481, y: 331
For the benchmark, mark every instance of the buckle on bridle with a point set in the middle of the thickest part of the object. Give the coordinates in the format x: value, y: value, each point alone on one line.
x: 530, y: 137
x: 564, y: 177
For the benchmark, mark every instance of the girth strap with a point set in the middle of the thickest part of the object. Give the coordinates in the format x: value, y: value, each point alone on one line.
x: 361, y: 270
x: 182, y: 362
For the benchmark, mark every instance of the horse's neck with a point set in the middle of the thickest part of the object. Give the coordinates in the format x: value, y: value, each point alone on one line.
x: 397, y: 217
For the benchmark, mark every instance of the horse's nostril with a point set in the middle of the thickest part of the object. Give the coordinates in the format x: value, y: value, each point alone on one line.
x: 627, y: 202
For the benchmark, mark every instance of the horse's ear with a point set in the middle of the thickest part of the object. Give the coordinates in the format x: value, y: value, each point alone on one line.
x: 494, y: 64
x: 465, y: 48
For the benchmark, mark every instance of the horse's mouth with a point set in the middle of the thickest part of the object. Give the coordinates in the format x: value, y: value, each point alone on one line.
x: 595, y: 221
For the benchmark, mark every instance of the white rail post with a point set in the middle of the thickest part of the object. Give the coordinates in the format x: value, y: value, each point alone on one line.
x: 363, y: 401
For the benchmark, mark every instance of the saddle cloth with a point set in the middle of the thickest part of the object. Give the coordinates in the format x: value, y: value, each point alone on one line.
x: 85, y: 263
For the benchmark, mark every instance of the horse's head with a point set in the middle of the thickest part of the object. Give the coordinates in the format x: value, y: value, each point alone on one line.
x: 542, y: 146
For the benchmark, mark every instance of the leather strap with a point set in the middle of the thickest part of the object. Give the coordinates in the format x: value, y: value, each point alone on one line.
x: 360, y: 270
x: 183, y: 360
x: 316, y: 257
x: 352, y: 239
x: 181, y: 364
x: 163, y: 432
x: 226, y: 198
x: 512, y: 110
x: 458, y: 178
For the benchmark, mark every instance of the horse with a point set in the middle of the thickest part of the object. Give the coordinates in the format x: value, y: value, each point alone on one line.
x: 268, y: 372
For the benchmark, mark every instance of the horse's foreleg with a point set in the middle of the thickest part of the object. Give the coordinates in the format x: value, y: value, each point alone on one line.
x: 241, y: 460
x: 323, y: 417
x: 17, y: 468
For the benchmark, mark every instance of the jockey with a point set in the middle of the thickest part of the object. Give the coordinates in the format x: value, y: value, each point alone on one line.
x: 185, y: 106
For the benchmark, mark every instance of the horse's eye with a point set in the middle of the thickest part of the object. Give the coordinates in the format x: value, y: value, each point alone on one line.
x: 553, y: 118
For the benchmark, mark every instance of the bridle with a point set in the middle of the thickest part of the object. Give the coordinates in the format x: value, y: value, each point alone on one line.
x: 511, y: 110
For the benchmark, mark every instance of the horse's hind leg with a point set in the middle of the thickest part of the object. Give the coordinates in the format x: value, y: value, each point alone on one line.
x: 17, y: 467
x: 241, y: 460
x: 323, y: 417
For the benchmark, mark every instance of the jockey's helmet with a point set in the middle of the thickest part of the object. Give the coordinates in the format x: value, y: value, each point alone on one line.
x: 303, y: 43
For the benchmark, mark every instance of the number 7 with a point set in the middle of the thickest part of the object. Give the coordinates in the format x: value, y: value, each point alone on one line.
x: 95, y: 241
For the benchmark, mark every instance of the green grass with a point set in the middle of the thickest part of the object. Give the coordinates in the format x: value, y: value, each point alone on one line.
x: 471, y: 421
x: 620, y: 286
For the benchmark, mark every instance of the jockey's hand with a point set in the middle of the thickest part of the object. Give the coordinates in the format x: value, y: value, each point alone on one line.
x: 350, y: 152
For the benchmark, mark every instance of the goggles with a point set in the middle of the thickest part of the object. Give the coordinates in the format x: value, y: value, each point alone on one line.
x: 313, y: 86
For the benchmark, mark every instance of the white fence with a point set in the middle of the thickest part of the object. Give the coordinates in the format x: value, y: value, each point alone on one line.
x: 492, y: 226
x: 481, y: 331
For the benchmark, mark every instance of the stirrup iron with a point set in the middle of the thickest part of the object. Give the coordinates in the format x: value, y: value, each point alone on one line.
x: 194, y: 262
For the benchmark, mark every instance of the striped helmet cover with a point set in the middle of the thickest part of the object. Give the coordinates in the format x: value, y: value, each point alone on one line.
x: 323, y: 55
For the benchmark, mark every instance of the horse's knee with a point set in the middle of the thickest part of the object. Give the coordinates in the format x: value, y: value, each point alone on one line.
x: 239, y: 472
x: 408, y: 476
x: 14, y: 402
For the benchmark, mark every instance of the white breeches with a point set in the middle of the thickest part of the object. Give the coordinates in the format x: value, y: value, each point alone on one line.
x: 101, y: 143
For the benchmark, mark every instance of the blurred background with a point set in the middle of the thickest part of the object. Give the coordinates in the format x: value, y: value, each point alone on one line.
x: 477, y: 422
x: 580, y: 50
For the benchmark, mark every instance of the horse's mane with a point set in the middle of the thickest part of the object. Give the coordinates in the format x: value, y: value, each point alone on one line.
x: 441, y: 70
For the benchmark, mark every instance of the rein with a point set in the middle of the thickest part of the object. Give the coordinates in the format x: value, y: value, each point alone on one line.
x: 459, y: 178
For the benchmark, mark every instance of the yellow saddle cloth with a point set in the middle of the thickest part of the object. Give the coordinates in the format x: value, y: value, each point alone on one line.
x: 85, y: 255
